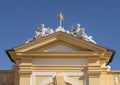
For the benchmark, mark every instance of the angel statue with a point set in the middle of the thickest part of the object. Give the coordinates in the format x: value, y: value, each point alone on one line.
x: 49, y: 31
x: 75, y: 30
x: 40, y: 32
x: 79, y: 32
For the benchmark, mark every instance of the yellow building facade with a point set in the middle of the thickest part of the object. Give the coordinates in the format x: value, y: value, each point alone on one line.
x: 60, y: 58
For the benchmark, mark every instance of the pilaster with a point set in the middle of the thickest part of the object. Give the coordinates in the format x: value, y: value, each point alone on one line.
x: 25, y: 78
x: 94, y: 78
x: 25, y: 71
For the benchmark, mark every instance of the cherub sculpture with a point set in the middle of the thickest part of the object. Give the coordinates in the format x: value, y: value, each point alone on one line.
x: 79, y: 32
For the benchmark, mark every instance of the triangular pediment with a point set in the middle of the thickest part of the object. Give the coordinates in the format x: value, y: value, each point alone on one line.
x: 62, y: 40
x: 60, y: 44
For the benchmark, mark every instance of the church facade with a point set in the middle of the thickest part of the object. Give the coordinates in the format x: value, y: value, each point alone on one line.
x: 60, y: 58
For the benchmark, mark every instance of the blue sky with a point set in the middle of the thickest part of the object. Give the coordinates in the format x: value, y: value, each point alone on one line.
x: 20, y: 18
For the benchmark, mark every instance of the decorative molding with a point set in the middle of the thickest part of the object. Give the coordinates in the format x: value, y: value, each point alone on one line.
x: 46, y: 81
x: 60, y: 61
x: 53, y: 74
x: 73, y: 73
x: 72, y: 81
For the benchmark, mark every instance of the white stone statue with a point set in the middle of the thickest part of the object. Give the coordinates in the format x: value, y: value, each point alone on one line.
x: 79, y: 32
x: 49, y: 31
x: 59, y: 28
x: 76, y: 31
x: 40, y: 32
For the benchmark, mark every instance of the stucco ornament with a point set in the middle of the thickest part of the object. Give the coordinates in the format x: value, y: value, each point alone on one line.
x: 67, y: 78
x: 44, y: 82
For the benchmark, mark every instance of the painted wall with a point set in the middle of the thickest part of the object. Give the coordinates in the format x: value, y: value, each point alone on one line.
x: 6, y: 77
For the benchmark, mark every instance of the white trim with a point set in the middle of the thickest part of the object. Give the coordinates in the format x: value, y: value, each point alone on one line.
x: 45, y: 82
x: 73, y: 74
x: 53, y: 74
x: 72, y: 81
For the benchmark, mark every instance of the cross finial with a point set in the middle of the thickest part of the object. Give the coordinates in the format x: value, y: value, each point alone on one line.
x: 60, y: 17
